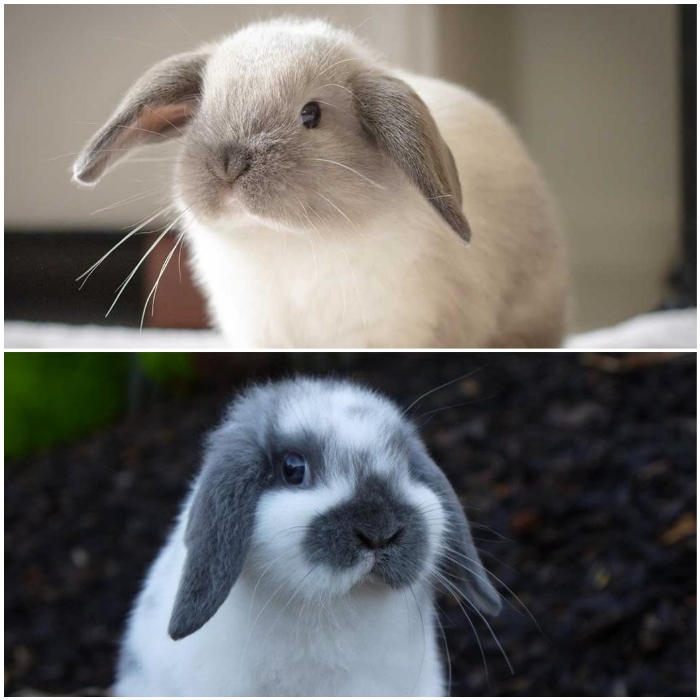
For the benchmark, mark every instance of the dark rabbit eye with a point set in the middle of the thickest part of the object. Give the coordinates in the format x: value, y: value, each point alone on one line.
x: 294, y: 468
x: 311, y: 115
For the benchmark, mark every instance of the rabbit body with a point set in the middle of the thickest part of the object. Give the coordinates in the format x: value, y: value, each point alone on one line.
x: 327, y: 199
x: 370, y: 644
x: 403, y: 279
x: 305, y: 560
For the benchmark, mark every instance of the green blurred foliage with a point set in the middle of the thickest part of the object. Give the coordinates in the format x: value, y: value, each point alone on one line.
x: 168, y: 367
x: 53, y: 398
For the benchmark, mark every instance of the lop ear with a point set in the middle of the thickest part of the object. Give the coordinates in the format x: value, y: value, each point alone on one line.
x: 218, y: 531
x: 473, y: 581
x: 160, y: 103
x: 401, y: 125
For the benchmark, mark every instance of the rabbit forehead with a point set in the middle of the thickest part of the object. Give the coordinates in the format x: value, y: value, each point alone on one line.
x: 273, y: 59
x: 348, y: 422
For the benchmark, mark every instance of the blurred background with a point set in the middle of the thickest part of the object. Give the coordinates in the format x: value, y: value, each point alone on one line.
x: 604, y: 96
x: 578, y: 472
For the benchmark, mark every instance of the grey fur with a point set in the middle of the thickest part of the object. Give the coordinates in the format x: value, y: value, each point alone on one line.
x: 473, y: 581
x: 373, y: 518
x: 219, y: 527
x: 247, y: 131
x: 175, y: 81
x: 243, y: 459
x: 404, y: 130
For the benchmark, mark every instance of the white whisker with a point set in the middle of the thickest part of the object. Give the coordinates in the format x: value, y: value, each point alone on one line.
x: 337, y: 63
x: 93, y: 267
x: 154, y: 291
x: 352, y: 170
x: 128, y: 200
x: 337, y: 208
x: 123, y: 285
x: 342, y: 87
x: 174, y: 20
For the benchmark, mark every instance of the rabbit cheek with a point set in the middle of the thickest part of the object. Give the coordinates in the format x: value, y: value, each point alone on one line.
x: 283, y: 518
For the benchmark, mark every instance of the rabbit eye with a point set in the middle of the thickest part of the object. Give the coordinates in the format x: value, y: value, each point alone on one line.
x: 294, y: 468
x: 311, y: 115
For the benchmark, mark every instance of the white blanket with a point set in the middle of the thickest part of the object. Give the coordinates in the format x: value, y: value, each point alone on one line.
x: 661, y: 330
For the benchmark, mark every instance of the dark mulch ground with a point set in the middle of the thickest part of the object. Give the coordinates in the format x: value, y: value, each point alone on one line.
x: 588, y: 474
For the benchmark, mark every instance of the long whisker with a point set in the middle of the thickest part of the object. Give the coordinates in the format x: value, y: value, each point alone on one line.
x: 133, y: 41
x: 174, y: 20
x: 162, y: 211
x: 354, y: 282
x: 340, y: 211
x: 154, y: 291
x: 288, y: 603
x: 457, y: 596
x: 342, y: 87
x: 501, y: 582
x: 92, y: 268
x: 442, y: 386
x: 124, y: 284
x: 352, y: 170
x: 148, y: 131
x: 337, y: 63
x: 143, y: 104
x: 255, y: 622
x: 128, y: 200
x: 435, y: 411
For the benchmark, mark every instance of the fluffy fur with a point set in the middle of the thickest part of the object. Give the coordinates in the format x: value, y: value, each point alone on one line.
x: 268, y: 588
x: 352, y: 234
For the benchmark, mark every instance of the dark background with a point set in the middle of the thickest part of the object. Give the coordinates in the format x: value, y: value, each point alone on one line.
x: 579, y: 473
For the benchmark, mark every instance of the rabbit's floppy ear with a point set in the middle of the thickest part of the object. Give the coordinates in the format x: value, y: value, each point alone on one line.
x: 401, y: 125
x: 158, y: 104
x: 219, y: 529
x: 473, y: 582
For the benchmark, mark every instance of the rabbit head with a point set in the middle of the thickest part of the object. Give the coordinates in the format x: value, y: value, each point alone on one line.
x: 320, y: 488
x: 291, y: 122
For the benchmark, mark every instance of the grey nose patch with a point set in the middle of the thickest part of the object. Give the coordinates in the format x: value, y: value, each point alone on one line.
x: 372, y: 538
x: 374, y: 520
x: 233, y: 161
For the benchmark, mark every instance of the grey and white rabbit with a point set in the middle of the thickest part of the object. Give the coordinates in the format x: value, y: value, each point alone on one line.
x: 306, y: 557
x: 328, y: 199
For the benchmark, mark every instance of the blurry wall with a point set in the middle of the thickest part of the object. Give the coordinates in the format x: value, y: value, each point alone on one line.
x: 592, y: 89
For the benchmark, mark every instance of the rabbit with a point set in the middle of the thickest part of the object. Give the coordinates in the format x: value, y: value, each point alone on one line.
x: 306, y: 557
x: 329, y: 200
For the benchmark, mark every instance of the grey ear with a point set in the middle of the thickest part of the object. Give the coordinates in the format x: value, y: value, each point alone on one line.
x: 218, y: 531
x: 158, y: 104
x: 473, y: 580
x: 400, y: 123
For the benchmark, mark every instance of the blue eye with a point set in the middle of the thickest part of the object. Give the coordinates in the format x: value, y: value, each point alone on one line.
x: 294, y: 468
x: 311, y: 115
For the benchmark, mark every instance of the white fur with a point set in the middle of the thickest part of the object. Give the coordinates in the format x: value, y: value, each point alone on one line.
x: 402, y: 278
x: 325, y: 241
x: 287, y: 628
x: 371, y: 642
x: 356, y: 421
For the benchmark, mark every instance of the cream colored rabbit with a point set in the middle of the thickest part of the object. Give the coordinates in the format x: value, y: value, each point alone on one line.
x: 331, y: 201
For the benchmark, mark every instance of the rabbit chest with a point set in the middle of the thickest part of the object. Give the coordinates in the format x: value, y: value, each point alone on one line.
x: 384, y: 286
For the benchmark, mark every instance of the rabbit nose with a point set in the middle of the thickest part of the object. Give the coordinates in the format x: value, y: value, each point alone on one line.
x: 376, y: 540
x: 236, y: 162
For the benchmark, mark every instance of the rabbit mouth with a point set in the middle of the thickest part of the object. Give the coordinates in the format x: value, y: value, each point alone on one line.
x: 388, y: 569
